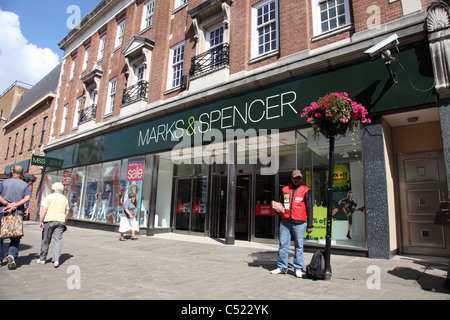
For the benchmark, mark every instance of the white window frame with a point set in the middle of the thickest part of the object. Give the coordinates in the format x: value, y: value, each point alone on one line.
x: 119, y: 34
x: 175, y: 74
x: 86, y: 58
x: 101, y: 47
x: 64, y: 119
x: 147, y: 14
x: 139, y: 72
x: 76, y: 116
x: 208, y: 36
x: 317, y: 21
x: 112, y: 88
x: 180, y: 3
x: 72, y: 70
x: 256, y: 28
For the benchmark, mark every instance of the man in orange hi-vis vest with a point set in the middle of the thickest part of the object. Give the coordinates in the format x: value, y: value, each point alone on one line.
x: 296, y: 212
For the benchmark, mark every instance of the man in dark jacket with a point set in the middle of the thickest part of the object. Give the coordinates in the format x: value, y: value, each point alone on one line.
x: 296, y: 212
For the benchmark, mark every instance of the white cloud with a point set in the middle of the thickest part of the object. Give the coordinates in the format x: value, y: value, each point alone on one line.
x: 19, y: 59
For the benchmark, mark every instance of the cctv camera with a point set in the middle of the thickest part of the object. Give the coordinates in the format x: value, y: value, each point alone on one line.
x: 384, y: 45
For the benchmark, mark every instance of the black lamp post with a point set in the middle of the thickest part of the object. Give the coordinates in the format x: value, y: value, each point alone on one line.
x: 330, y: 130
x: 327, y: 275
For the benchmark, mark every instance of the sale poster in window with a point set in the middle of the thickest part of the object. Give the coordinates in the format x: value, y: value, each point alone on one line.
x: 135, y: 175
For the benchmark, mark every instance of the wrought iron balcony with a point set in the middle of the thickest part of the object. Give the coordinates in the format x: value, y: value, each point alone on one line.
x: 87, y: 114
x: 135, y: 92
x: 212, y: 59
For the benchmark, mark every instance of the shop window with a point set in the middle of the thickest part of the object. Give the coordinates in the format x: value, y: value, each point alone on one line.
x: 109, y: 193
x: 90, y: 208
x: 348, y: 224
x: 164, y: 193
x: 73, y: 181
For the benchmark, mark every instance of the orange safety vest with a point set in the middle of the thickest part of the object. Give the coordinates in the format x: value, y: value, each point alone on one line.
x: 294, y: 204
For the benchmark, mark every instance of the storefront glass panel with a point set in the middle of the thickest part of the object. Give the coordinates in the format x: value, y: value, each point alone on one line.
x: 109, y: 193
x: 348, y: 222
x: 90, y: 206
x: 75, y: 187
x: 164, y: 193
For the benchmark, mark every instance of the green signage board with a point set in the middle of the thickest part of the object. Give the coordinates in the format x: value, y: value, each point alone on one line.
x: 46, y: 162
x: 276, y: 106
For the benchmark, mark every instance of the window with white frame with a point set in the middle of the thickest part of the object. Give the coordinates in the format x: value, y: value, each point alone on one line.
x: 72, y: 70
x: 64, y: 119
x: 139, y: 72
x: 265, y: 27
x: 101, y: 47
x: 147, y: 14
x: 76, y: 116
x: 176, y: 65
x: 86, y: 58
x: 330, y: 15
x: 214, y: 40
x: 119, y: 34
x: 111, y: 96
x: 179, y: 3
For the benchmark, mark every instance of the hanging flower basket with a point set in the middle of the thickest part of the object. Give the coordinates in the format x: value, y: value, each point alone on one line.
x: 28, y: 177
x: 334, y: 114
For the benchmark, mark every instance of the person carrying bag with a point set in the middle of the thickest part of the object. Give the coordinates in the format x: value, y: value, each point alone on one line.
x: 14, y: 193
x: 11, y: 225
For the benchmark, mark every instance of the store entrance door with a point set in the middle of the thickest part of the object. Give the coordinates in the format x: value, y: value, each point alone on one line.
x: 422, y: 187
x: 191, y: 204
x: 242, y: 207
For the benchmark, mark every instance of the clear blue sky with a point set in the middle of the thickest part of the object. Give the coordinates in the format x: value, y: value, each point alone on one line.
x: 30, y: 31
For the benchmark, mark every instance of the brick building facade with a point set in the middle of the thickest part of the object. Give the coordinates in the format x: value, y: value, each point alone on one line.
x: 137, y: 76
x: 27, y: 131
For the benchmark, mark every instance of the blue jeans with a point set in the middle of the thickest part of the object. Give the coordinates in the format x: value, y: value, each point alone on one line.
x: 289, y: 229
x: 14, y: 243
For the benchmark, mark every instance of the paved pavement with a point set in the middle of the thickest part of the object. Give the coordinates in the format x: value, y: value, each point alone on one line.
x: 95, y: 265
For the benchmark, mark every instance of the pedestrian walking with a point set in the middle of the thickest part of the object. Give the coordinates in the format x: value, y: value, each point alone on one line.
x: 128, y: 218
x: 296, y: 211
x: 52, y: 221
x: 14, y: 193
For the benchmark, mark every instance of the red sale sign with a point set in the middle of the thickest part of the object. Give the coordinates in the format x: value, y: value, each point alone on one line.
x: 264, y: 210
x: 135, y: 169
x: 67, y: 174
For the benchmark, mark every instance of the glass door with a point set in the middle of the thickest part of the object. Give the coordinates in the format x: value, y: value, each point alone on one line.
x: 191, y: 204
x: 264, y: 214
x: 199, y: 204
x: 183, y: 204
x: 242, y: 214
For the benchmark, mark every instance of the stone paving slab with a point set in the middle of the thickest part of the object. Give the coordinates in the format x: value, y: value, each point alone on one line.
x: 96, y: 266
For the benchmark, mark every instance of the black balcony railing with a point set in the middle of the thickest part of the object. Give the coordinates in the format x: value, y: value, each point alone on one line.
x: 135, y: 92
x: 212, y: 59
x: 87, y: 114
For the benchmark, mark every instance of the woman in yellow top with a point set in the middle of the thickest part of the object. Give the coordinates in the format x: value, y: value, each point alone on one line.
x: 52, y: 220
